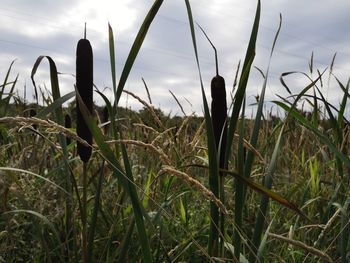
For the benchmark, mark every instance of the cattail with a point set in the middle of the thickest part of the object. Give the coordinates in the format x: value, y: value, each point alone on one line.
x: 84, y: 84
x: 219, y: 114
x: 218, y: 108
x: 68, y: 125
x: 32, y: 113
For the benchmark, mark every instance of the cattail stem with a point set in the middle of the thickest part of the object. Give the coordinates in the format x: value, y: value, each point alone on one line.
x: 84, y: 214
x: 68, y: 125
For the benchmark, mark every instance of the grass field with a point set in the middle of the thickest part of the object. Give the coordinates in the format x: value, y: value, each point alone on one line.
x: 161, y: 188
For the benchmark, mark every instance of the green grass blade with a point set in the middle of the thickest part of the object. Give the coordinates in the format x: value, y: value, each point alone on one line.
x: 240, y: 198
x: 311, y: 63
x: 55, y: 105
x: 343, y: 103
x: 10, y: 94
x: 112, y: 59
x: 136, y: 47
x: 260, y: 252
x: 239, y: 96
x: 239, y: 186
x: 259, y: 225
x: 285, y: 74
x: 111, y: 114
x: 315, y: 107
x: 95, y: 210
x: 177, y: 101
x: 54, y: 84
x: 125, y: 243
x: 147, y: 256
x: 259, y: 113
x: 110, y: 111
x: 345, y: 229
x: 5, y: 83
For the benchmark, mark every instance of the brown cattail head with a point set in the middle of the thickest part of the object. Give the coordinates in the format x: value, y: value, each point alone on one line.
x: 84, y: 84
x: 219, y: 113
x: 68, y: 124
x: 32, y: 113
x: 218, y: 105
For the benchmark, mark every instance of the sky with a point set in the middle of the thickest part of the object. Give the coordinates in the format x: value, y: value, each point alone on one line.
x: 166, y: 60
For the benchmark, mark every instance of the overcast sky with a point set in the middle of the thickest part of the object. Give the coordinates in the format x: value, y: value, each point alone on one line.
x: 166, y: 61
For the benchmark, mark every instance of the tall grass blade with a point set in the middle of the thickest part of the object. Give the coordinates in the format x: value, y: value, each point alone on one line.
x: 261, y: 250
x: 178, y: 103
x: 238, y: 100
x: 147, y: 90
x: 259, y: 225
x: 55, y: 105
x: 343, y: 103
x: 239, y: 186
x: 5, y: 83
x: 311, y: 63
x: 235, y: 81
x: 54, y: 84
x: 331, y: 68
x: 8, y: 98
x: 147, y: 256
x: 240, y: 195
x: 136, y: 47
x: 239, y: 96
x: 123, y: 249
x: 112, y: 59
x: 345, y: 230
x: 95, y: 210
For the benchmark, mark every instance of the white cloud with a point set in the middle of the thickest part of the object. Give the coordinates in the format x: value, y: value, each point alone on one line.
x: 166, y: 60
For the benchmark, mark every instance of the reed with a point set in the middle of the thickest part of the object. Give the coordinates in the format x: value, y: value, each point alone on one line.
x: 219, y: 122
x: 84, y: 85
